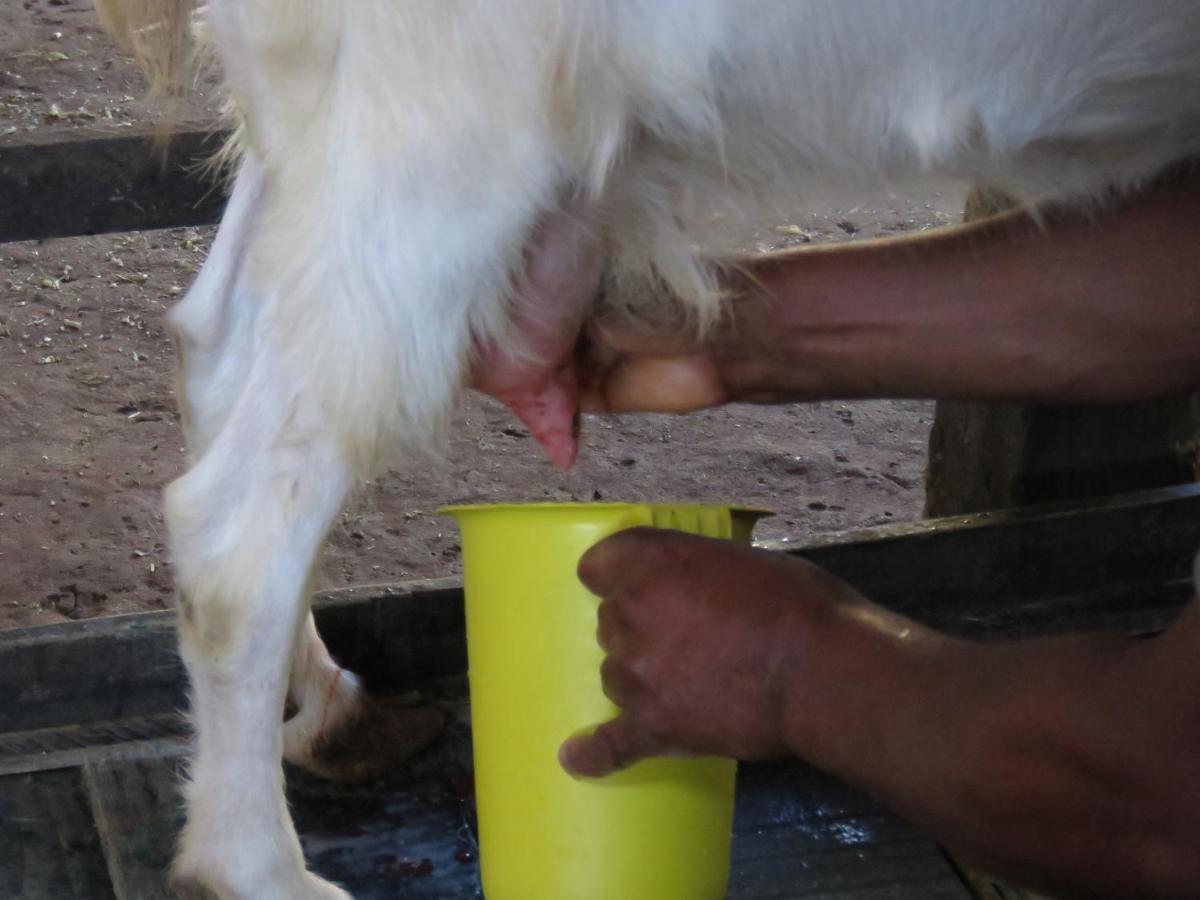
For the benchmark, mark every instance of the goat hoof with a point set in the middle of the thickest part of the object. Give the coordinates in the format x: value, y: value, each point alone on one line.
x: 185, y: 887
x: 311, y: 887
x: 376, y: 739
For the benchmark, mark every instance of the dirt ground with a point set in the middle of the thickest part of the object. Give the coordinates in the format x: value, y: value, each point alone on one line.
x: 89, y: 433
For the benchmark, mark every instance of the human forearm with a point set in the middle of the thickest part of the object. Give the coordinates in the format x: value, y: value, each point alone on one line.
x: 1068, y: 764
x: 1082, y: 311
x: 1073, y: 310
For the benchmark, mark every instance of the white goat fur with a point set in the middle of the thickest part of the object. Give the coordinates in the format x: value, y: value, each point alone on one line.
x: 395, y: 155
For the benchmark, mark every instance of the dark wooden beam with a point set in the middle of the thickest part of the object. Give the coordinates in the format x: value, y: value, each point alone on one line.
x: 92, y: 184
x: 1122, y: 565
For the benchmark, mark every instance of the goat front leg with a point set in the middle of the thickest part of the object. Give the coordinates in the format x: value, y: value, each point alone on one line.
x: 246, y: 525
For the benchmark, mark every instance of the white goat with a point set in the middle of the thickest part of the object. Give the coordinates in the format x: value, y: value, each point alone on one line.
x: 395, y: 156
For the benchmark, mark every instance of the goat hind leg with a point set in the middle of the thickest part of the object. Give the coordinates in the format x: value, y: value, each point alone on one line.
x: 340, y: 732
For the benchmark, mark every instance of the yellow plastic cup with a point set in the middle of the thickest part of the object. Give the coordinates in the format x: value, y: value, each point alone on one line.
x: 660, y: 830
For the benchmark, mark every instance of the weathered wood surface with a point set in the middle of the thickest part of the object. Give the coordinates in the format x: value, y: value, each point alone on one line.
x: 127, y: 667
x: 90, y: 184
x: 73, y: 745
x: 1000, y: 456
x: 1125, y: 564
x: 49, y: 848
x: 798, y: 834
x: 985, y: 888
x: 137, y: 811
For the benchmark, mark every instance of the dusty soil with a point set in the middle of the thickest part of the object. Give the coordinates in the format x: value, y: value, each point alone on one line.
x: 89, y: 433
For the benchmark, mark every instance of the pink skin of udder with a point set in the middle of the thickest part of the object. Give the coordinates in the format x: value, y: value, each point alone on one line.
x: 539, y: 383
x: 539, y: 386
x: 551, y: 413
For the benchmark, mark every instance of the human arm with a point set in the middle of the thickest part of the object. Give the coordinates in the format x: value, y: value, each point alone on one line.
x: 1072, y: 764
x: 1070, y: 309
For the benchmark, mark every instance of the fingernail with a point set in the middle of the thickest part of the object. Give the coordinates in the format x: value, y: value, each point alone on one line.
x: 591, y: 570
x: 564, y: 759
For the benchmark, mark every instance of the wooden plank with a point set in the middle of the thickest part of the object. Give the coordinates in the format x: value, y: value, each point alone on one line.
x: 999, y: 455
x: 49, y: 848
x: 108, y: 670
x: 408, y: 834
x: 90, y: 184
x: 798, y: 834
x: 161, y: 748
x: 1125, y: 564
x: 138, y: 815
x: 74, y: 745
x: 986, y: 888
x: 127, y: 667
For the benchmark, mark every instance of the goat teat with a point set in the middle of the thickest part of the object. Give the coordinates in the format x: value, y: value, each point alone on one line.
x: 533, y: 370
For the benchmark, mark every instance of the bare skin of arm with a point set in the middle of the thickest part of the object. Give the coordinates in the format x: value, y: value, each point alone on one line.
x: 1071, y: 310
x: 1072, y: 765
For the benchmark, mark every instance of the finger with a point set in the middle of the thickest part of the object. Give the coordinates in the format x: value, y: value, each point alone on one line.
x: 678, y: 384
x: 618, y: 686
x: 608, y: 626
x: 613, y: 746
x: 625, y: 558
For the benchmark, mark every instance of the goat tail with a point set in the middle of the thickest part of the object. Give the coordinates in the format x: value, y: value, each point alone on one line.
x: 160, y: 34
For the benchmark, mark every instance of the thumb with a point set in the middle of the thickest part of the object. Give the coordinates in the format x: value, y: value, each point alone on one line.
x: 613, y: 746
x: 656, y: 384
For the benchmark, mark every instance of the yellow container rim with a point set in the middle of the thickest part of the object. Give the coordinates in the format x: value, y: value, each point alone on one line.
x: 577, y: 505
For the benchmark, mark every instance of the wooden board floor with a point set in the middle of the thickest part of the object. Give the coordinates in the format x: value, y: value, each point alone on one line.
x: 105, y: 828
x: 88, y: 764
